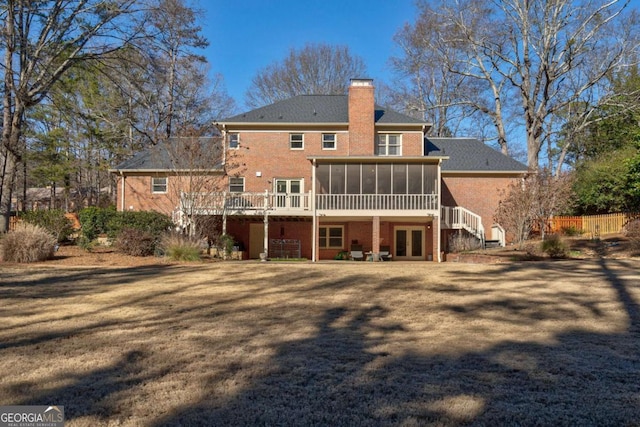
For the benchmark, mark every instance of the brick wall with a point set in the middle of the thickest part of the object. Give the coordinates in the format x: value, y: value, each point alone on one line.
x: 362, y: 117
x: 479, y: 194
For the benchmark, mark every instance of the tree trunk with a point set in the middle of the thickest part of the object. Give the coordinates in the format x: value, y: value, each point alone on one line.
x: 7, y: 191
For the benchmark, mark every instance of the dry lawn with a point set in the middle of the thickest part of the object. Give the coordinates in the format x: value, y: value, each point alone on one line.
x: 341, y: 343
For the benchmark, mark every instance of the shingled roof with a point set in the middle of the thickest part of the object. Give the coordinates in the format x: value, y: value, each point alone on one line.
x: 470, y: 155
x: 315, y: 109
x: 159, y: 157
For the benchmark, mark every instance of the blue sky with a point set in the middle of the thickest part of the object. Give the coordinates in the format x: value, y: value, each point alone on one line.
x: 247, y: 35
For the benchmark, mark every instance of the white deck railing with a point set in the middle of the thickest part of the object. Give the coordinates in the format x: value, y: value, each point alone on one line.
x: 459, y: 218
x: 218, y: 203
x: 392, y: 202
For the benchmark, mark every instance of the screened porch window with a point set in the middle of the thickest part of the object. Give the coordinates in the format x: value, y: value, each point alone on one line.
x: 373, y: 178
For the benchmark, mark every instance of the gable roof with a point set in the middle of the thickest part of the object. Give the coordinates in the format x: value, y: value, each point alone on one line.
x: 315, y: 109
x: 470, y: 155
x: 159, y: 157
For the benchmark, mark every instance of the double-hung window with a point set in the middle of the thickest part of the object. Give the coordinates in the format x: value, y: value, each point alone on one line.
x: 328, y: 141
x: 296, y: 141
x: 234, y: 140
x: 236, y: 184
x: 159, y: 185
x: 389, y: 144
x: 331, y: 237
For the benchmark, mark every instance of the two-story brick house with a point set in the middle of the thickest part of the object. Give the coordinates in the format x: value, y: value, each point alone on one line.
x: 316, y: 175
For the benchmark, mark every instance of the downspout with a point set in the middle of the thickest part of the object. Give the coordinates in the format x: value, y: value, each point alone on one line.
x: 122, y: 198
x: 438, y: 229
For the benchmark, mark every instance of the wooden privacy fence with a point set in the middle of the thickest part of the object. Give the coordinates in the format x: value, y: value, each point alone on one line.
x: 590, y: 224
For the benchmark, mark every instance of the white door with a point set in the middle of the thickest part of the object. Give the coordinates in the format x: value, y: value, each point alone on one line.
x: 288, y: 193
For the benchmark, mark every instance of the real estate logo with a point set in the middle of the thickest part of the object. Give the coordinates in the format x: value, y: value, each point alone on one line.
x: 32, y: 416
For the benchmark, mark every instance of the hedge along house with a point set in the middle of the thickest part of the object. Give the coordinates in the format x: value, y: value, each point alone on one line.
x: 317, y: 175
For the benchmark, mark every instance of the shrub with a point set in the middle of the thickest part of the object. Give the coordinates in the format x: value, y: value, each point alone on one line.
x: 136, y: 242
x: 571, y: 230
x: 94, y: 221
x: 179, y: 247
x: 150, y: 222
x: 54, y: 221
x: 225, y: 243
x: 462, y: 242
x: 27, y: 243
x: 632, y: 232
x: 554, y: 246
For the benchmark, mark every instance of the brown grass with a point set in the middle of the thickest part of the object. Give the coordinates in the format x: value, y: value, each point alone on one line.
x: 344, y: 343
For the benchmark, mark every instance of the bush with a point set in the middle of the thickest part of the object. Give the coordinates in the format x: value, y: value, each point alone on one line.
x: 94, y: 221
x: 632, y: 232
x: 571, y: 230
x: 27, y: 243
x: 136, y: 242
x: 54, y: 221
x: 554, y: 246
x: 150, y: 222
x: 462, y: 242
x: 225, y: 243
x: 179, y: 247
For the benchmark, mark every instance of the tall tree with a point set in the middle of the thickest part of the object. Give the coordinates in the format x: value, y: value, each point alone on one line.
x: 316, y: 69
x: 42, y: 40
x: 547, y: 54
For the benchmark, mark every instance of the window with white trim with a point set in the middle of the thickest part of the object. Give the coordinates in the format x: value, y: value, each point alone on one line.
x: 159, y: 185
x: 389, y: 144
x: 236, y: 184
x: 328, y: 141
x: 331, y: 237
x: 234, y: 140
x: 296, y: 141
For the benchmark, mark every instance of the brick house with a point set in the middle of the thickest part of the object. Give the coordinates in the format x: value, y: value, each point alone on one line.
x: 317, y: 175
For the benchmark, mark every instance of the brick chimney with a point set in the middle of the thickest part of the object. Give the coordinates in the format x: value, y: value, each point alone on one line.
x: 361, y: 117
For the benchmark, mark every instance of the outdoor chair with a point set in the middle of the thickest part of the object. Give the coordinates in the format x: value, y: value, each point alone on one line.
x: 385, y: 253
x: 356, y: 254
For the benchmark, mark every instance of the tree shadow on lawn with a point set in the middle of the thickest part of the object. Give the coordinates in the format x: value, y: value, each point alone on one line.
x: 345, y: 373
x: 95, y: 394
x: 71, y: 282
x: 343, y: 376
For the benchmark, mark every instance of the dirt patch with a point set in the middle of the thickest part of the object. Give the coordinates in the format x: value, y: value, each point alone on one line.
x: 611, y: 246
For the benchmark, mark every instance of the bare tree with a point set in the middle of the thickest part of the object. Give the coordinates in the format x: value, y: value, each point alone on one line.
x: 548, y: 54
x: 42, y: 40
x: 533, y: 200
x: 316, y: 69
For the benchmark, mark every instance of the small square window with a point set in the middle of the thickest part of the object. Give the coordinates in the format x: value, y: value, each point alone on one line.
x: 234, y: 140
x: 296, y: 141
x: 159, y: 185
x: 236, y: 185
x: 328, y: 141
x: 389, y: 144
x: 331, y: 237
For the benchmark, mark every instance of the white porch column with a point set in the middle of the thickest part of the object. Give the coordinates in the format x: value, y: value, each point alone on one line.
x: 314, y: 231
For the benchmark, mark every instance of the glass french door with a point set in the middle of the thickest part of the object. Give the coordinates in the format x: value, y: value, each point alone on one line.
x: 288, y: 193
x: 409, y: 243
